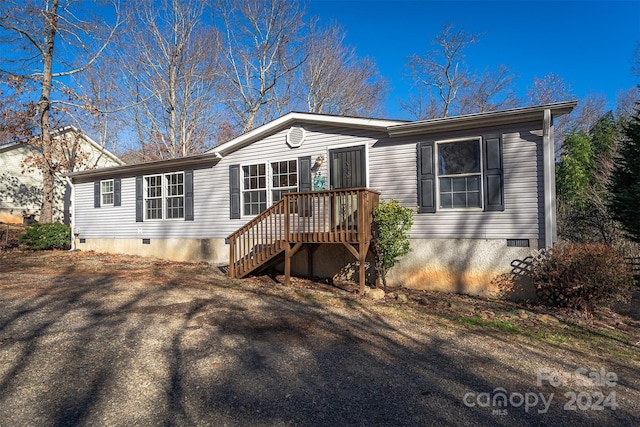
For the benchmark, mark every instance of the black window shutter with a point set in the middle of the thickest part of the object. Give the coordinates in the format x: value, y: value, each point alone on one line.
x: 117, y: 192
x: 426, y: 177
x: 234, y: 191
x: 139, y: 199
x: 493, y: 175
x: 188, y: 195
x: 304, y: 173
x: 96, y: 194
x: 304, y: 183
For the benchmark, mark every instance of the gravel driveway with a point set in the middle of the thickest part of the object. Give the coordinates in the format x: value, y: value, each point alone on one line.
x: 89, y: 340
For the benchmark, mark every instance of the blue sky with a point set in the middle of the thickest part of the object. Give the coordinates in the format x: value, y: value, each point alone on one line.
x: 590, y: 44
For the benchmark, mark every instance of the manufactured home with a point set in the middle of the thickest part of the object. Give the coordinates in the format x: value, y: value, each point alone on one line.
x: 300, y: 191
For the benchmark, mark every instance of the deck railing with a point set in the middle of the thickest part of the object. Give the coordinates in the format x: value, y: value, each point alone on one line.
x: 333, y: 216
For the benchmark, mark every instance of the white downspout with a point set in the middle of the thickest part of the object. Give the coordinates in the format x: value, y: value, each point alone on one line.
x: 549, y: 170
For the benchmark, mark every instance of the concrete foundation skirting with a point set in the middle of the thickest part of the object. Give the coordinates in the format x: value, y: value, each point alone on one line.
x: 210, y: 250
x: 469, y: 266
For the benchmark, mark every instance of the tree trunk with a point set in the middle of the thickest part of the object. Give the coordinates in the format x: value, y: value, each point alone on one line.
x: 48, y: 166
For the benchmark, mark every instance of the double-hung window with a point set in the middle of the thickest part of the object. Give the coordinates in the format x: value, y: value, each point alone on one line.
x: 284, y: 178
x: 175, y: 195
x: 254, y: 197
x: 164, y: 196
x: 265, y: 183
x: 459, y: 174
x: 153, y: 197
x: 106, y: 192
x: 465, y: 173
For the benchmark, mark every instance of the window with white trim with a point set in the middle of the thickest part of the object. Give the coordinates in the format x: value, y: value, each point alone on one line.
x: 284, y: 178
x: 459, y: 174
x: 175, y: 195
x: 254, y: 189
x: 164, y: 196
x: 106, y: 192
x: 264, y: 184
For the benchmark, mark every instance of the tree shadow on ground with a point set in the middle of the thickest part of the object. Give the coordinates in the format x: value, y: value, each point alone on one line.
x: 81, y: 348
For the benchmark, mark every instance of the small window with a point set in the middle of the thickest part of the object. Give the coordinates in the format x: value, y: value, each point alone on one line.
x: 106, y: 192
x: 459, y: 174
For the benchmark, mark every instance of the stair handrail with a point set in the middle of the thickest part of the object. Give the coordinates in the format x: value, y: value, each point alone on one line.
x: 246, y: 229
x: 263, y: 239
x: 261, y: 216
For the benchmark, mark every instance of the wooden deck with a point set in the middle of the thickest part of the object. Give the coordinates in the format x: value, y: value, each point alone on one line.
x: 313, y: 218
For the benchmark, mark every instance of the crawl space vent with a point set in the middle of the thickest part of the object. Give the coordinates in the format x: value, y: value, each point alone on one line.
x: 295, y: 136
x: 518, y: 243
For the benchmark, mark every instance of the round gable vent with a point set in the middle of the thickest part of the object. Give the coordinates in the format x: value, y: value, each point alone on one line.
x: 295, y: 136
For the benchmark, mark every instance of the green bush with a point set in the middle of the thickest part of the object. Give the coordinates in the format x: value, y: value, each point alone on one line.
x: 41, y: 237
x: 582, y: 276
x: 391, y: 225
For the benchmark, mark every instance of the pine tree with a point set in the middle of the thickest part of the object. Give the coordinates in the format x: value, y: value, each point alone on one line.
x: 625, y: 184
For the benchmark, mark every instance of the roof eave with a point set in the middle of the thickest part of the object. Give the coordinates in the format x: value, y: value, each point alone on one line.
x: 302, y: 118
x: 154, y: 166
x: 487, y: 119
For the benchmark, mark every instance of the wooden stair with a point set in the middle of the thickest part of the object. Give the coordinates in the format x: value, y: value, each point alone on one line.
x: 305, y: 218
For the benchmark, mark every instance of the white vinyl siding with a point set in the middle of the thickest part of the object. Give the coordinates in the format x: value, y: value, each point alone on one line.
x: 391, y: 169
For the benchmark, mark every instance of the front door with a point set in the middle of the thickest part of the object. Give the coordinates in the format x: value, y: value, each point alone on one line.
x: 348, y: 170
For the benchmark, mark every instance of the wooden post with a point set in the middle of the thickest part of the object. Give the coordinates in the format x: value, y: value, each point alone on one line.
x: 287, y: 264
x: 286, y: 217
x: 363, y: 248
x: 232, y: 261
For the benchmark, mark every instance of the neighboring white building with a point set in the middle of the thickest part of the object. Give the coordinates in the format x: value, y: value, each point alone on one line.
x: 21, y: 191
x: 483, y: 186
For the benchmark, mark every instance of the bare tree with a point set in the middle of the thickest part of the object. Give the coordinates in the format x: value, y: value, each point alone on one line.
x: 100, y: 91
x: 47, y: 40
x: 441, y: 72
x: 334, y: 80
x: 552, y: 88
x: 261, y: 50
x: 421, y: 105
x: 490, y: 91
x: 15, y: 114
x: 171, y: 77
x: 548, y: 89
x: 626, y: 101
x: 589, y: 110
